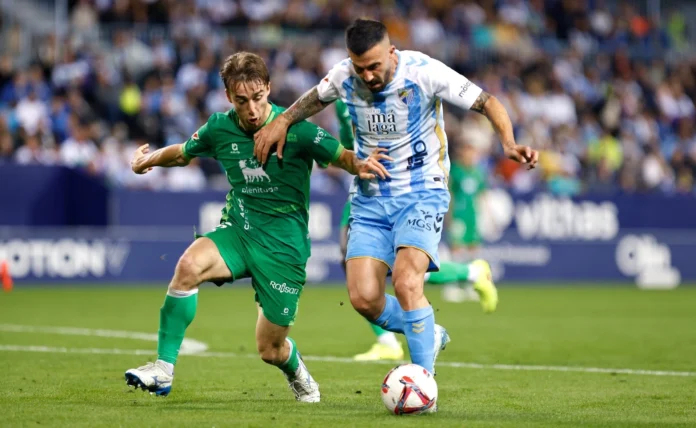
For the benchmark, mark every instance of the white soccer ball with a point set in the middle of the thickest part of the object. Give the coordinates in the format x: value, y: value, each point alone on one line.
x: 409, y: 389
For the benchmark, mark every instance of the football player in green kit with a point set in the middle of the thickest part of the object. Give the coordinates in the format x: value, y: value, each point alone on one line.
x: 263, y: 233
x: 388, y: 346
x: 467, y: 182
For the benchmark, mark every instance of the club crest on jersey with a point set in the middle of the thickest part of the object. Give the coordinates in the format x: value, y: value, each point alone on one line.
x: 406, y: 95
x: 253, y: 172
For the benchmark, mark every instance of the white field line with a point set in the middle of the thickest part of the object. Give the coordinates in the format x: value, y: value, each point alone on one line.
x: 343, y: 360
x: 189, y: 346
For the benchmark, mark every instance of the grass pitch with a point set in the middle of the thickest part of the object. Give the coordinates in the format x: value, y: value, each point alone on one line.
x: 646, y: 338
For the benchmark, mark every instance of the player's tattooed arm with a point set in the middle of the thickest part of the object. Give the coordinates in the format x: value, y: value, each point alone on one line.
x: 143, y: 161
x: 495, y: 111
x: 367, y: 169
x: 306, y: 106
x: 489, y: 106
x: 481, y: 102
x: 275, y: 132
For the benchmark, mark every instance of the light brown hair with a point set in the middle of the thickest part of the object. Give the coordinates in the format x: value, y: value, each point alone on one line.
x: 243, y: 67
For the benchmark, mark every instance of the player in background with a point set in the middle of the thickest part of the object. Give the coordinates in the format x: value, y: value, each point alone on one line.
x: 388, y: 346
x: 467, y: 183
x: 263, y: 233
x: 395, y: 102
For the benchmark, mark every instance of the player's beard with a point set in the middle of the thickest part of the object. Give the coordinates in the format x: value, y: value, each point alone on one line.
x: 383, y: 83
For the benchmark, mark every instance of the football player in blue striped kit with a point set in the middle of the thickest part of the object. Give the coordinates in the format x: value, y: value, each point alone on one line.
x: 395, y: 102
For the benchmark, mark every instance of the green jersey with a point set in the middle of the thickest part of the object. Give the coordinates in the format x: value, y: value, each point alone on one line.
x: 345, y: 125
x: 466, y: 184
x: 270, y: 204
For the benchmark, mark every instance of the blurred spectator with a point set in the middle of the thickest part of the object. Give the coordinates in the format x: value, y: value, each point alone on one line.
x: 33, y: 153
x: 79, y: 151
x: 604, y: 91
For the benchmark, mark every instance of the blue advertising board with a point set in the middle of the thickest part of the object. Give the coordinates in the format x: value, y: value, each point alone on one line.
x: 137, y: 236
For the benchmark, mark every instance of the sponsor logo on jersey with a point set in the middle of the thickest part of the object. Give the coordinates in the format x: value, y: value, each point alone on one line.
x: 319, y: 137
x: 234, y: 149
x: 291, y: 138
x: 252, y: 171
x: 406, y: 95
x: 381, y: 123
x: 465, y: 87
x: 417, y: 160
x: 423, y: 222
x: 258, y: 190
x: 195, y: 135
x: 426, y: 222
x: 438, y: 222
x: 283, y: 288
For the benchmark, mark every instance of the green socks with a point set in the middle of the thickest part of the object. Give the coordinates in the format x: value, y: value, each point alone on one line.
x: 290, y: 366
x: 449, y: 273
x: 176, y: 314
x: 378, y: 330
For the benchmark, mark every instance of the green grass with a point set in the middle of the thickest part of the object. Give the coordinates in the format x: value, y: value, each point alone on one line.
x: 606, y: 327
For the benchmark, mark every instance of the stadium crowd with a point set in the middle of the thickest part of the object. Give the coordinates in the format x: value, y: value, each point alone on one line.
x: 605, y: 92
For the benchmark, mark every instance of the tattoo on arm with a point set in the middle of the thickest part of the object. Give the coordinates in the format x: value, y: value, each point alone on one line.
x: 307, y: 105
x: 480, y: 103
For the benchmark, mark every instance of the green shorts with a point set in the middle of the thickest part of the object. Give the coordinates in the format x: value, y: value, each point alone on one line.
x: 464, y: 232
x: 278, y: 285
x: 345, y: 217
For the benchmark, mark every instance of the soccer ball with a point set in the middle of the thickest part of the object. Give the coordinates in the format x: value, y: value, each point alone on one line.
x: 409, y: 389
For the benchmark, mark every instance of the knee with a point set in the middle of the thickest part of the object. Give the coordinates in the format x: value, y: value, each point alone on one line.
x: 408, y: 282
x: 369, y: 305
x: 188, y: 273
x: 270, y: 353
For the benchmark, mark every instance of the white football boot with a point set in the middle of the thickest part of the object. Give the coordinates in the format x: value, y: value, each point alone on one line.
x: 151, y: 377
x: 441, y: 341
x: 303, y: 385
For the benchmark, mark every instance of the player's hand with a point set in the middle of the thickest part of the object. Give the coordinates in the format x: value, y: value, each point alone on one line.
x: 371, y: 168
x: 138, y: 162
x: 523, y: 154
x: 268, y: 136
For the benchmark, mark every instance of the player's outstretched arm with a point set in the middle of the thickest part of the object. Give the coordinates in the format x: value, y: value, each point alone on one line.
x: 367, y: 169
x: 495, y: 111
x: 274, y: 133
x: 458, y: 90
x: 143, y: 161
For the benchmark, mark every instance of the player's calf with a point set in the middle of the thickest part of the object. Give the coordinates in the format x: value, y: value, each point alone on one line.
x: 418, y: 316
x: 200, y: 262
x: 277, y: 349
x: 408, y: 287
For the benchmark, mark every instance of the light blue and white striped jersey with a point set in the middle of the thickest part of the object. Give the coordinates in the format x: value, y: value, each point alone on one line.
x: 405, y: 117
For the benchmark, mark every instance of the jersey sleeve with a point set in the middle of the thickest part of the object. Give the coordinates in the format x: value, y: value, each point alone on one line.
x: 345, y: 125
x: 201, y: 143
x: 329, y: 87
x: 317, y: 143
x: 450, y: 85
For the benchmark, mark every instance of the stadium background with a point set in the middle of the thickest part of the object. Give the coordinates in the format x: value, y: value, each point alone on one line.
x: 604, y: 89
